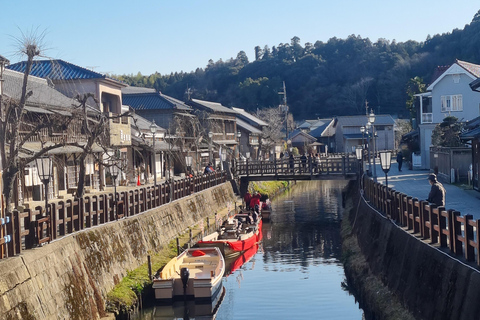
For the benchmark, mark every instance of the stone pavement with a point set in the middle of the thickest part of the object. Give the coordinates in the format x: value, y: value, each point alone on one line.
x: 414, y: 183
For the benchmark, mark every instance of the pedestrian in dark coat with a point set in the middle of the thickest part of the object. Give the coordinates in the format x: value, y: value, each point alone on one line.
x: 400, y: 160
x: 437, y: 192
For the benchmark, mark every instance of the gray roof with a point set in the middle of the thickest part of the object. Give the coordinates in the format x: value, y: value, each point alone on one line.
x: 214, y: 106
x: 146, y: 98
x: 318, y: 132
x: 42, y: 94
x: 249, y: 117
x: 246, y: 126
x: 143, y: 124
x: 361, y: 120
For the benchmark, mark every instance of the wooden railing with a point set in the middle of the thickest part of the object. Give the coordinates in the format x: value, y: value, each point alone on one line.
x: 340, y: 164
x: 436, y: 225
x: 31, y: 228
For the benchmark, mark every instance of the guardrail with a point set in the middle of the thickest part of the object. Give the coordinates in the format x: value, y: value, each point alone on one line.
x: 335, y: 164
x: 436, y: 225
x: 25, y: 230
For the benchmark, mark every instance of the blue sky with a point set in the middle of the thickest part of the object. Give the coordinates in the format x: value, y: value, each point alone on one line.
x: 123, y: 37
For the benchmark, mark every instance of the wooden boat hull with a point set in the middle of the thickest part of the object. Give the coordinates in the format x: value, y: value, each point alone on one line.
x: 205, y: 279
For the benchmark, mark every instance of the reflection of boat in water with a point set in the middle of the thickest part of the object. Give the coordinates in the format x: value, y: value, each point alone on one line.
x: 190, y: 309
x: 236, y: 263
x: 234, y: 237
x: 195, y: 273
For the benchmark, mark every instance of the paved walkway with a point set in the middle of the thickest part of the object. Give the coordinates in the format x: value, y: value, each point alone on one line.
x: 414, y: 183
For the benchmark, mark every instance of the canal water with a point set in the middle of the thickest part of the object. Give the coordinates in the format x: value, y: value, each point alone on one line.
x: 296, y: 271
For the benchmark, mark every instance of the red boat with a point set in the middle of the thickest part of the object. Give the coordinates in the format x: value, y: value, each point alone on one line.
x: 235, y: 236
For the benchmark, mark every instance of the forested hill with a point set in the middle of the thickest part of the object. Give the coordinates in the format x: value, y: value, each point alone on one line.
x: 324, y: 78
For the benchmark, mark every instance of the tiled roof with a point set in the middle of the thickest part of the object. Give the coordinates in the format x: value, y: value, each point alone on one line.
x: 249, y: 117
x: 317, y: 133
x: 358, y: 121
x: 4, y: 60
x: 59, y: 70
x: 143, y: 124
x: 213, y: 106
x: 149, y: 99
x: 439, y: 70
x: 474, y: 69
x: 42, y: 94
x: 246, y: 126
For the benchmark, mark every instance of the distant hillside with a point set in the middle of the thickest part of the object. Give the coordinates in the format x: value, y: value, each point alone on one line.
x: 322, y: 79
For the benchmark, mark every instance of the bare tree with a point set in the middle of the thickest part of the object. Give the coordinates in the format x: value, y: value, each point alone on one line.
x: 272, y: 133
x: 17, y: 126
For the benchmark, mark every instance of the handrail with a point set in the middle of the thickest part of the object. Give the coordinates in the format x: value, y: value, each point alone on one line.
x: 337, y: 164
x: 434, y: 224
x: 25, y: 230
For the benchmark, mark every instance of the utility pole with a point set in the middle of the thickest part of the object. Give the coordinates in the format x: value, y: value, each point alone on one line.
x: 188, y: 92
x: 285, y: 106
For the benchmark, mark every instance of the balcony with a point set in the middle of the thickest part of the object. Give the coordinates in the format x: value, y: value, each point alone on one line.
x: 427, y: 118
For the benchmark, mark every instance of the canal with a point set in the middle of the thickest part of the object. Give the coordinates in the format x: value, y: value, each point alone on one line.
x: 296, y: 271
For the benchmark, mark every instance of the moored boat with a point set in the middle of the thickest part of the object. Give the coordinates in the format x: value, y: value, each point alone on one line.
x: 195, y: 273
x: 235, y: 236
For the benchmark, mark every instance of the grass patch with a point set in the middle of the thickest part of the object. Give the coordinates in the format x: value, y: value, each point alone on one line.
x: 268, y: 187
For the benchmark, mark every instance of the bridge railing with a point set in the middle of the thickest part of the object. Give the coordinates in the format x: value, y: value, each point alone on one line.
x: 434, y: 224
x: 25, y: 230
x: 335, y: 164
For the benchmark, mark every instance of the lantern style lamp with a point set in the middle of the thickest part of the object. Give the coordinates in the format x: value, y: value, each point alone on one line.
x: 359, y: 154
x: 210, y: 136
x: 153, y: 130
x: 385, y: 162
x: 45, y: 168
x: 371, y: 119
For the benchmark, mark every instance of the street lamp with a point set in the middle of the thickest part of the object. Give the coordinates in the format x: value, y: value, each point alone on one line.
x: 368, y: 126
x: 359, y: 154
x: 371, y: 119
x: 362, y: 130
x: 210, y: 136
x: 188, y: 162
x: 385, y: 162
x: 224, y: 157
x: 114, y: 172
x: 239, y: 135
x: 44, y: 168
x: 153, y: 130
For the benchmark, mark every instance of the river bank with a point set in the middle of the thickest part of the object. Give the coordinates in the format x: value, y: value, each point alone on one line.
x: 375, y: 298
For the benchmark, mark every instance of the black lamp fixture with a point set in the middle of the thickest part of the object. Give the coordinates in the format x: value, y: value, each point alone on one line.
x: 371, y: 119
x: 385, y: 162
x: 114, y: 171
x: 359, y: 155
x: 44, y: 169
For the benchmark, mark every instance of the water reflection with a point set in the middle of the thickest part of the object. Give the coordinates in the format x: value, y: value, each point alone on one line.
x: 296, y: 272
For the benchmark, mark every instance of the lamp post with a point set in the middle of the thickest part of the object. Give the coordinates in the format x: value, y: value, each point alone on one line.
x: 359, y: 154
x: 385, y: 162
x: 224, y: 157
x: 188, y: 163
x: 362, y: 130
x: 210, y: 136
x: 114, y: 172
x: 368, y: 126
x: 371, y: 119
x: 153, y: 130
x: 44, y: 167
x: 239, y: 135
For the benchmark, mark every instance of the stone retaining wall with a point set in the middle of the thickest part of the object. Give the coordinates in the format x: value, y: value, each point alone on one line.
x: 428, y: 282
x: 70, y: 278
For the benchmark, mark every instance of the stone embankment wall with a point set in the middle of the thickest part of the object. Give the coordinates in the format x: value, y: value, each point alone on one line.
x: 70, y: 278
x: 427, y: 281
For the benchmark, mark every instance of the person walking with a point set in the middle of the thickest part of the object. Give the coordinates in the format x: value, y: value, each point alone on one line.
x: 400, y: 160
x: 437, y: 192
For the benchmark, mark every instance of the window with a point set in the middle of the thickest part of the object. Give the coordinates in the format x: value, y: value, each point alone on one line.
x: 452, y: 103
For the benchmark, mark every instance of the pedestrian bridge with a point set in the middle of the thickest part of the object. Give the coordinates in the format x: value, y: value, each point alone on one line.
x: 332, y: 167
